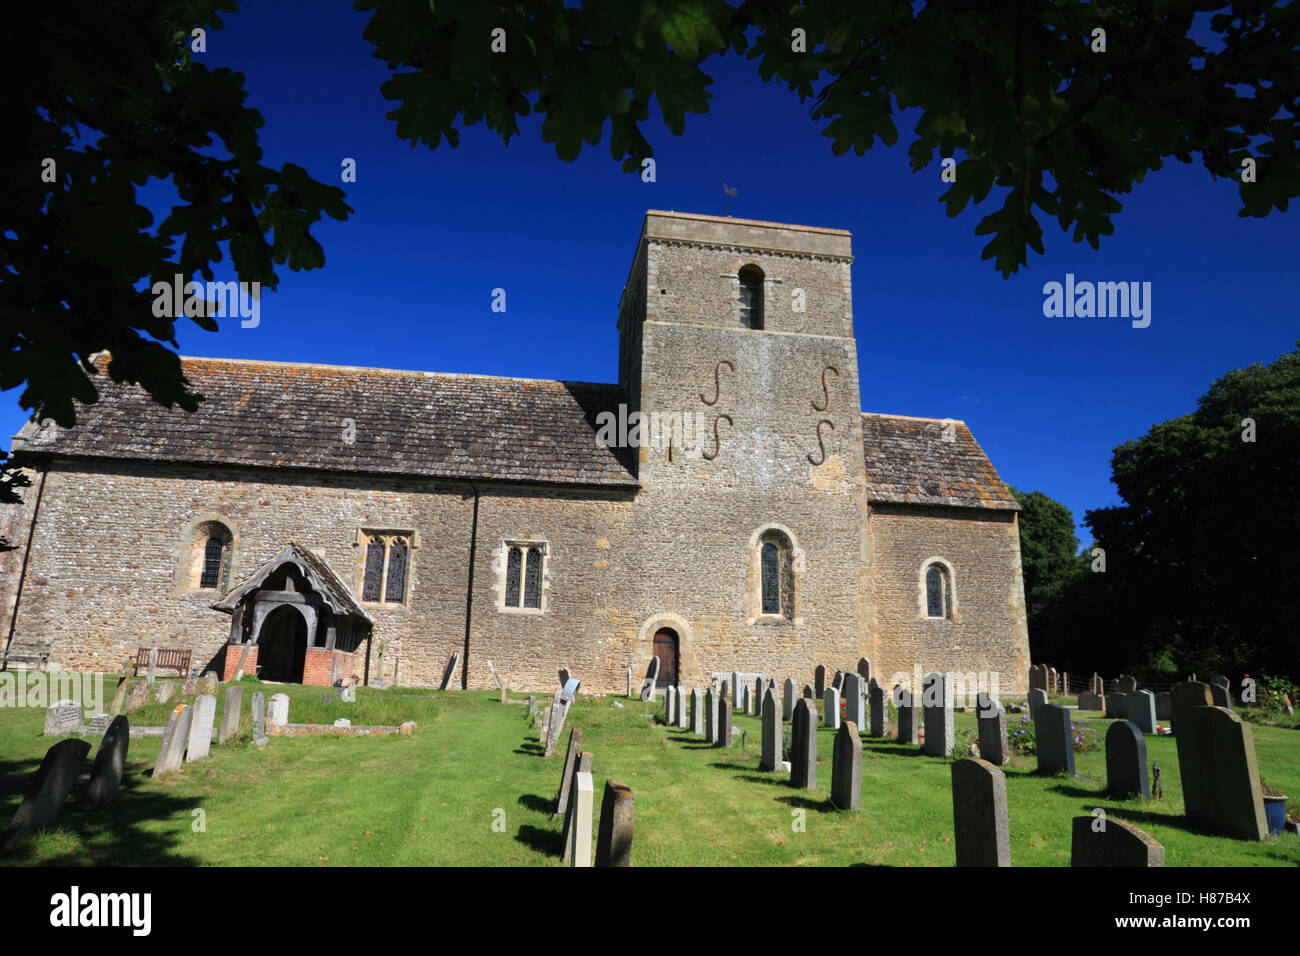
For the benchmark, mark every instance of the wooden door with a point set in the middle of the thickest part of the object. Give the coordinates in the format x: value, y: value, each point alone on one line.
x: 666, y: 650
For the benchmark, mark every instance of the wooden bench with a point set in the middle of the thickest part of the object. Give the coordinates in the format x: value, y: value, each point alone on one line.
x: 169, y: 659
x: 37, y: 659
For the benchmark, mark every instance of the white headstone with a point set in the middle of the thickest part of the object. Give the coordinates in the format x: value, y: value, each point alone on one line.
x: 205, y: 713
x: 278, y: 714
x: 583, y: 799
x: 831, y: 702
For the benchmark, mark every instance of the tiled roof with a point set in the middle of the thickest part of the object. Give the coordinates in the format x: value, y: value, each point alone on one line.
x: 318, y: 574
x: 425, y: 424
x: 909, y: 462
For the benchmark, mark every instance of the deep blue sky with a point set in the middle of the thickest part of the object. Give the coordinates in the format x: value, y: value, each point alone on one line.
x: 408, y: 278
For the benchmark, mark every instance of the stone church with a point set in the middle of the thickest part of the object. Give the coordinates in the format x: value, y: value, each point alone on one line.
x: 727, y: 505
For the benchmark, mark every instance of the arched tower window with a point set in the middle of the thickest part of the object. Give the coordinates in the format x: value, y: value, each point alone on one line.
x: 776, y: 575
x: 751, y: 297
x: 771, y: 563
x: 938, y: 592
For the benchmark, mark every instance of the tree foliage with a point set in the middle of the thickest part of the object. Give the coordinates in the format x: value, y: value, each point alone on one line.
x: 1050, y: 563
x: 1020, y: 91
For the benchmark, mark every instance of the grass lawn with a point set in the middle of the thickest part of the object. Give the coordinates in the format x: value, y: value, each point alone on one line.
x: 432, y: 798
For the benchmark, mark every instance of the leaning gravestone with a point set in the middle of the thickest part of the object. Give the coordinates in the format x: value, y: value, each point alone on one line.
x: 853, y: 694
x: 788, y: 696
x: 909, y: 724
x: 564, y: 675
x: 1116, y: 844
x: 200, y: 740
x: 566, y: 777
x: 697, y: 712
x: 803, y: 747
x: 449, y: 671
x: 1216, y: 759
x: 1117, y: 705
x: 259, y: 718
x: 879, y: 710
x: 1186, y: 696
x: 123, y: 686
x: 555, y: 724
x: 819, y: 681
x: 46, y: 791
x: 230, y: 713
x: 63, y: 718
x: 1054, y: 740
x: 771, y: 757
x: 1126, y: 761
x: 279, y: 712
x: 1142, y: 710
x: 846, y: 768
x: 991, y: 719
x: 110, y: 764
x: 175, y: 736
x: 651, y: 676
x: 1090, y: 701
x: 937, y: 701
x: 981, y: 834
x: 724, y: 722
x: 831, y: 705
x: 614, y: 838
x: 1037, y: 698
x: 710, y: 716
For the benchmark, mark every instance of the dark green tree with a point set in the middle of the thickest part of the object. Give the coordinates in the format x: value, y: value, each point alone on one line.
x: 1050, y: 562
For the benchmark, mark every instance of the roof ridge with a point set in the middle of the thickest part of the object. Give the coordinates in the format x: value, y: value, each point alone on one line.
x: 912, y: 418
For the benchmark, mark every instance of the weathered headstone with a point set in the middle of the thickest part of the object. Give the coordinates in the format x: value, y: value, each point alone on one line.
x: 278, y: 716
x: 1112, y: 842
x: 854, y: 695
x: 1117, y: 705
x: 62, y: 718
x: 771, y: 756
x: 152, y: 672
x: 579, y: 848
x: 683, y: 714
x: 697, y: 712
x: 991, y: 719
x: 348, y: 694
x: 99, y: 724
x: 1054, y: 739
x: 163, y: 692
x: 838, y: 681
x: 1142, y: 710
x: 819, y: 681
x: 1037, y: 698
x: 803, y: 746
x: 190, y: 687
x: 175, y: 735
x: 734, y: 692
x: 259, y: 718
x: 879, y: 710
x: 1091, y: 701
x: 110, y: 764
x: 981, y: 834
x: 788, y: 696
x: 123, y: 687
x: 449, y: 671
x: 210, y: 682
x: 583, y: 765
x: 493, y: 671
x: 1184, y: 697
x: 629, y: 682
x: 831, y: 706
x: 564, y: 675
x: 555, y: 726
x: 1164, y: 707
x: 1126, y: 684
x: 1126, y: 761
x: 200, y: 736
x: 566, y: 776
x: 936, y: 700
x: 670, y: 704
x: 710, y: 716
x: 807, y: 692
x: 846, y: 768
x: 137, y: 696
x: 1053, y: 681
x: 724, y: 721
x: 651, y: 677
x: 614, y: 839
x: 1038, y: 677
x: 1216, y: 759
x: 47, y: 790
x: 864, y: 670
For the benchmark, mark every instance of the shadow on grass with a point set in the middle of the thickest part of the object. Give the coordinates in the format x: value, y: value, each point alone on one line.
x: 774, y: 779
x: 807, y: 803
x: 527, y: 748
x: 1069, y: 791
x: 1174, y: 821
x: 540, y: 804
x: 902, y: 751
x: 543, y: 841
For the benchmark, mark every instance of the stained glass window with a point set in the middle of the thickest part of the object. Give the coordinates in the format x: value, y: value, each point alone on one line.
x: 771, y: 572
x: 396, y: 571
x: 513, y: 559
x: 533, y: 579
x: 751, y: 298
x: 934, y: 592
x: 212, y: 554
x: 370, y: 587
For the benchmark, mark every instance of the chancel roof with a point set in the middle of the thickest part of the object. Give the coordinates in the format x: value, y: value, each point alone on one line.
x: 929, y: 461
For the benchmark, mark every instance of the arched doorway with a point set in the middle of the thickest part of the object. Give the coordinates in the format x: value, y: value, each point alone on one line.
x: 665, y: 648
x: 282, y: 645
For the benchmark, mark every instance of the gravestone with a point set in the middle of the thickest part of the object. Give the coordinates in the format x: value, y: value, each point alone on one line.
x: 936, y: 700
x: 583, y: 765
x: 1054, y: 739
x: 564, y: 675
x: 735, y: 693
x: 1186, y: 696
x: 1038, y: 677
x: 46, y: 791
x: 853, y: 695
x: 981, y: 834
x: 1117, y: 705
x: 175, y: 735
x: 210, y: 682
x: 1091, y: 701
x: 63, y: 718
x: 629, y: 682
x: 1216, y: 759
x: 864, y: 670
x: 544, y: 725
x: 348, y: 694
x: 838, y: 682
x: 724, y: 721
x: 1126, y: 684
x: 1116, y: 844
x: 614, y: 839
x: 580, y: 833
x: 190, y: 687
x: 1097, y: 685
x: 819, y: 682
x: 771, y: 756
x: 803, y: 747
x: 500, y: 686
x: 1053, y: 681
x: 670, y: 705
x: 1142, y: 710
x: 788, y: 697
x: 99, y: 724
x: 555, y: 726
x: 697, y: 712
x: 1037, y: 698
x: 991, y: 719
x: 137, y: 696
x: 164, y: 692
x: 342, y: 722
x: 651, y: 676
x: 831, y: 705
x: 279, y: 712
x: 683, y: 715
x: 710, y: 716
x: 566, y: 776
x: 1220, y: 694
x: 200, y: 736
x: 1164, y: 707
x: 449, y: 670
x: 846, y: 768
x: 909, y: 723
x: 807, y: 693
x: 879, y: 711
x: 110, y: 764
x: 123, y: 687
x: 152, y: 672
x: 1126, y: 761
x: 259, y: 718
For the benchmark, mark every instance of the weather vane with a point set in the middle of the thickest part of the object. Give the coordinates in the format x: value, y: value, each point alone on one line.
x: 730, y: 193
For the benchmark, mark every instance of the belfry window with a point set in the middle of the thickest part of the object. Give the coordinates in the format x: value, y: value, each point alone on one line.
x: 751, y: 297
